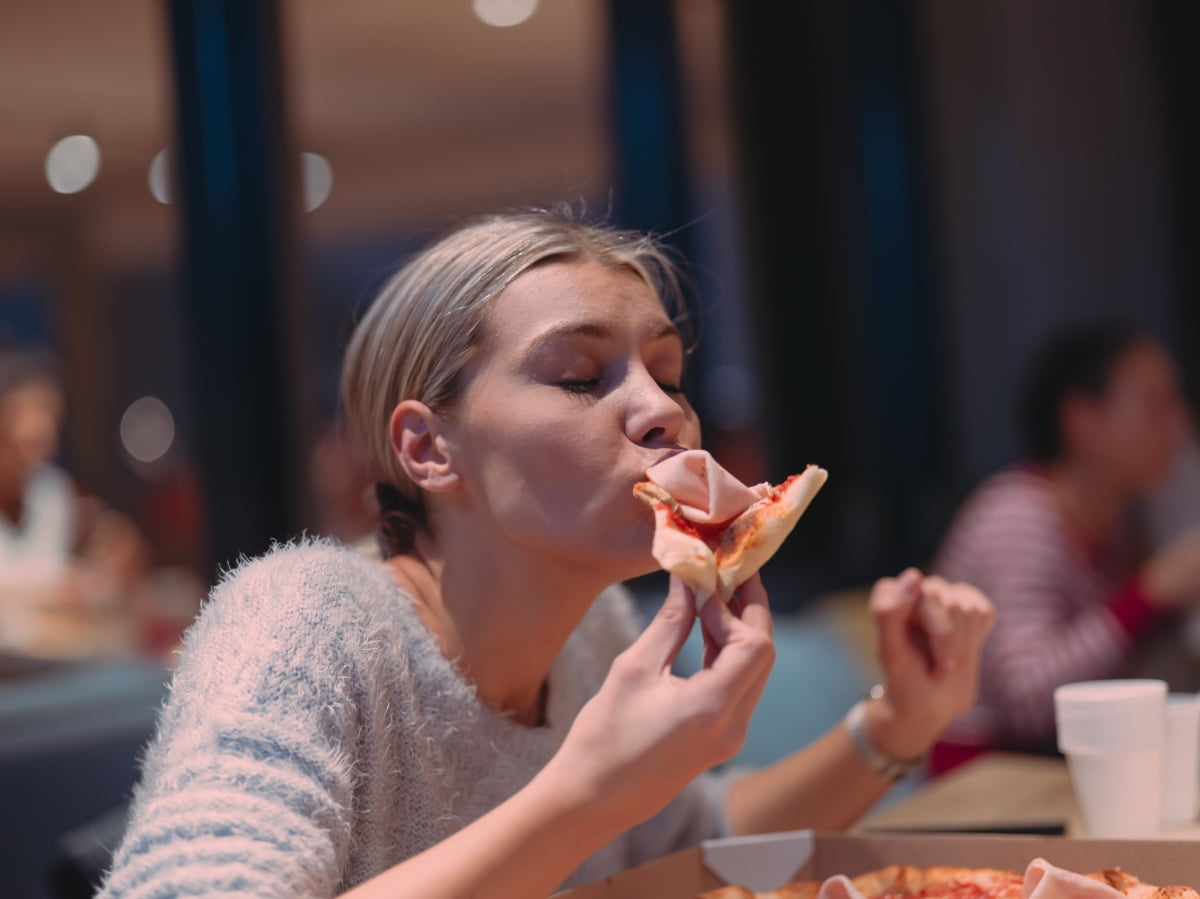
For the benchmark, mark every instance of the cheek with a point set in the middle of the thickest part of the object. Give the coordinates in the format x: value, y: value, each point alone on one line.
x: 1141, y: 441
x: 539, y: 464
x: 1162, y: 438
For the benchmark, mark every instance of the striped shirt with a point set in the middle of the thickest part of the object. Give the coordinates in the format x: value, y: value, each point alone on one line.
x: 1066, y: 609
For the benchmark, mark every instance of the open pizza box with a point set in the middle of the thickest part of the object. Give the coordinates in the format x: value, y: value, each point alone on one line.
x: 764, y: 863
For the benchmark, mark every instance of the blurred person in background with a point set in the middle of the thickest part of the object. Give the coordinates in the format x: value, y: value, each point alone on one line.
x: 38, y: 505
x: 477, y: 712
x: 1053, y: 540
x: 71, y: 570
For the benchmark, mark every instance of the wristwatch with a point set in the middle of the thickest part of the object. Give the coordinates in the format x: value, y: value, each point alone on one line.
x: 879, y: 762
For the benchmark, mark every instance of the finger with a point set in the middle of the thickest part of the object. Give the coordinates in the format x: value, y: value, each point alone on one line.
x: 711, y: 648
x: 982, y: 611
x: 755, y: 606
x: 898, y: 594
x: 946, y: 640
x: 748, y: 605
x: 718, y: 622
x: 664, y: 636
x: 743, y: 653
x: 971, y: 619
x: 891, y: 604
x: 969, y: 615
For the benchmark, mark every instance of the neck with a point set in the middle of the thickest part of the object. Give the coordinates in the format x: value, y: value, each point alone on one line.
x: 501, y: 615
x: 12, y: 501
x: 1094, y: 504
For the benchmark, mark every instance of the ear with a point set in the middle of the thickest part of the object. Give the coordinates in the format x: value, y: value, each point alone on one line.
x: 421, y: 448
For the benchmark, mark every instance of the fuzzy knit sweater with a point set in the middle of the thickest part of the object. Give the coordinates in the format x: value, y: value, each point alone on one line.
x: 315, y: 736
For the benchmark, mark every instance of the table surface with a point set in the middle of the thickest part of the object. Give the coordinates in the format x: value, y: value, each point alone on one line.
x: 996, y: 792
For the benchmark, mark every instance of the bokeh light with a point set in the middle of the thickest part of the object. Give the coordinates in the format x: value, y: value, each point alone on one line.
x: 72, y: 163
x: 147, y: 429
x: 160, y: 177
x: 504, y: 13
x: 317, y: 175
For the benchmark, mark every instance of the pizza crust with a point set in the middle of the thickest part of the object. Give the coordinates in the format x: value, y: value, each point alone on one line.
x: 1174, y: 891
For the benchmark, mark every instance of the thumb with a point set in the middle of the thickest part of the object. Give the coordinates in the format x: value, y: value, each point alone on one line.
x: 666, y: 633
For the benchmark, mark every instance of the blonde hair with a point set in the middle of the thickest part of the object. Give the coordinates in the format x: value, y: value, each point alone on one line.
x: 424, y: 326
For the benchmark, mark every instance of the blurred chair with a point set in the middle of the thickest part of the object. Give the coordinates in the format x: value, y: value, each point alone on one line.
x: 70, y: 737
x: 81, y: 856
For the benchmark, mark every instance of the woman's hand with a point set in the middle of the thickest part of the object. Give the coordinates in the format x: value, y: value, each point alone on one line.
x: 1171, y: 577
x: 647, y: 733
x: 930, y: 634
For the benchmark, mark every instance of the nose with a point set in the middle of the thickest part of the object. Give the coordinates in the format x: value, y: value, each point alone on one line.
x: 654, y: 417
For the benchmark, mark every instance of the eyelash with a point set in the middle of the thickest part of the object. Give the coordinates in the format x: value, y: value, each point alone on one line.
x: 586, y: 386
x: 589, y: 385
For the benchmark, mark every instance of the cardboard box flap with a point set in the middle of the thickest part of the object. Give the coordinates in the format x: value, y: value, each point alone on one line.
x: 681, y: 874
x: 761, y: 863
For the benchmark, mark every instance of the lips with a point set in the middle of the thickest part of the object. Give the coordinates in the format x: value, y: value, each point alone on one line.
x: 669, y: 454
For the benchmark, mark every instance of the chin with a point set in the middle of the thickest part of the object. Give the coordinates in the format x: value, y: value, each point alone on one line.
x: 648, y: 567
x: 624, y: 567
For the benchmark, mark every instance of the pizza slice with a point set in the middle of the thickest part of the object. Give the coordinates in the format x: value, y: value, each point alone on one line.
x: 713, y: 531
x: 1128, y: 885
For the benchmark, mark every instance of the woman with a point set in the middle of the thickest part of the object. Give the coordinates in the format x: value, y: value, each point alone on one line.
x: 58, y: 550
x: 1049, y: 540
x: 37, y: 499
x: 478, y: 712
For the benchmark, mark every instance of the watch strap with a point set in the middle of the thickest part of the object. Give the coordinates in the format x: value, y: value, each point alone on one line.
x: 879, y: 762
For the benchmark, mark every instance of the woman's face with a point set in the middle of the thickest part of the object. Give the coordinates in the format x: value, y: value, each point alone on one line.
x: 574, y: 394
x: 30, y: 418
x: 1140, y: 420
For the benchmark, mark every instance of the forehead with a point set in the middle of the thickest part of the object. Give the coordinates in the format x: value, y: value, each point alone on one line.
x: 1144, y: 363
x: 32, y: 396
x: 558, y: 293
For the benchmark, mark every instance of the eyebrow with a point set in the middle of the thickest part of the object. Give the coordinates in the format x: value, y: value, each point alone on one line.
x: 598, y: 330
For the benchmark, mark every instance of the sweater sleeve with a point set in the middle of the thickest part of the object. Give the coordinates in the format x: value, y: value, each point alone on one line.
x: 1011, y: 548
x: 247, y: 789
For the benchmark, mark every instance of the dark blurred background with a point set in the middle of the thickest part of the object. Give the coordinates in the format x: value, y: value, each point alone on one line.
x: 885, y: 206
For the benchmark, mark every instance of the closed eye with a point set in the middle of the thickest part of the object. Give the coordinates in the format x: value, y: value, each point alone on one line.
x: 590, y: 385
x: 587, y: 385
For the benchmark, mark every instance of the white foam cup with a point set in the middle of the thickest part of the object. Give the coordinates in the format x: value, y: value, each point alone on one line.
x: 1112, y: 733
x: 1181, y: 757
